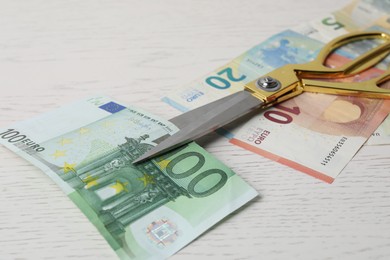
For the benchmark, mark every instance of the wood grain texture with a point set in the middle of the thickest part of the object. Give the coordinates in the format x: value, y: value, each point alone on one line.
x: 53, y: 52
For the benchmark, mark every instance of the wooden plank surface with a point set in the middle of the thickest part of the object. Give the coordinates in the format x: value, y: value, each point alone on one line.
x: 54, y: 52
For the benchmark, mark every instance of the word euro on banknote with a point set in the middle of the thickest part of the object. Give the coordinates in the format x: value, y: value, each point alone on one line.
x: 296, y: 47
x: 146, y: 211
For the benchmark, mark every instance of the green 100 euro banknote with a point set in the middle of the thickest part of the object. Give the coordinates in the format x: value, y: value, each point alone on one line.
x: 146, y: 211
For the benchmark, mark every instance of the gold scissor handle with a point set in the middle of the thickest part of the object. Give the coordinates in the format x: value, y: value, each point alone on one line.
x: 293, y: 79
x: 367, y: 88
x: 361, y: 63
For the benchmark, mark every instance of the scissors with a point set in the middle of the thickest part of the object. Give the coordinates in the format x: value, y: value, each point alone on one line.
x: 281, y: 84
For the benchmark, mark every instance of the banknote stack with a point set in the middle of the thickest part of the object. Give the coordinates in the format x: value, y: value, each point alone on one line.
x: 145, y: 211
x: 153, y: 209
x: 317, y: 134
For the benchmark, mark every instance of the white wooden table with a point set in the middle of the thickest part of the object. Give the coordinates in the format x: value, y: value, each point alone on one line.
x: 54, y: 52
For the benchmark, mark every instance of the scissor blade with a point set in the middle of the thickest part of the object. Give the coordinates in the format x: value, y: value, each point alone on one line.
x: 196, y: 114
x: 216, y: 114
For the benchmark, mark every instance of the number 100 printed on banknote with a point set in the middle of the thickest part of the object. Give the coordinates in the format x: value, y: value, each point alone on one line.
x: 147, y: 211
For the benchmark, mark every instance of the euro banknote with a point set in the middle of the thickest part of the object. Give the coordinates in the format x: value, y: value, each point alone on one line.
x: 230, y: 78
x: 358, y: 15
x: 315, y: 133
x: 299, y: 46
x: 144, y: 211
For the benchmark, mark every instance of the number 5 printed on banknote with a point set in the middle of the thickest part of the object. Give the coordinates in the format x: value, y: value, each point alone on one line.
x: 146, y: 211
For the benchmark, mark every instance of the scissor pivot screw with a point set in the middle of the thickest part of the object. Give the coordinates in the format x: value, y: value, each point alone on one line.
x: 268, y: 83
